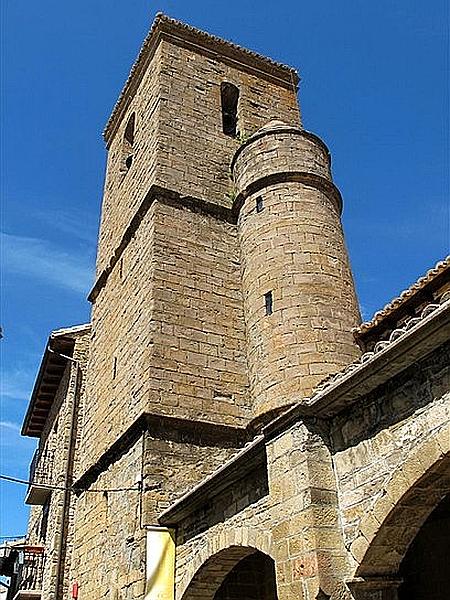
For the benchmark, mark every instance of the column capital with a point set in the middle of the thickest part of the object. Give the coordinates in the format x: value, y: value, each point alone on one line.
x: 374, y: 588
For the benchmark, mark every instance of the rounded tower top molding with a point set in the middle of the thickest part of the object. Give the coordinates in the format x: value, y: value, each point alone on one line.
x: 277, y: 126
x: 280, y: 152
x: 273, y: 124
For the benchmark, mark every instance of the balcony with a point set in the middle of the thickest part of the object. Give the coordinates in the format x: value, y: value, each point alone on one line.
x: 24, y: 565
x: 40, y: 478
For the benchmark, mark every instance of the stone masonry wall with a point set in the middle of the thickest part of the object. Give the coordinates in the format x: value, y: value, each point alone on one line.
x: 321, y: 490
x: 193, y: 152
x: 55, y: 439
x: 175, y: 460
x: 169, y: 329
x: 109, y: 542
x: 47, y: 446
x: 109, y: 539
x: 288, y: 511
x: 198, y: 364
x: 179, y: 143
x: 375, y: 439
x: 118, y: 384
x: 300, y: 257
x: 125, y: 188
x: 280, y: 148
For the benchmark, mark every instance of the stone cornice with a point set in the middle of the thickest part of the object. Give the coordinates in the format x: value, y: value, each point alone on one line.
x: 309, y: 179
x: 170, y: 198
x: 162, y: 426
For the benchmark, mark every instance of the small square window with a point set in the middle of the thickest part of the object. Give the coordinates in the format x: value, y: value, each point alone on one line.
x: 259, y: 204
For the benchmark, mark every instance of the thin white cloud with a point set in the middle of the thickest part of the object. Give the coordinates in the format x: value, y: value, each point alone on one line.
x: 71, y: 223
x: 17, y: 384
x: 15, y: 450
x: 408, y: 225
x: 10, y: 425
x: 33, y: 257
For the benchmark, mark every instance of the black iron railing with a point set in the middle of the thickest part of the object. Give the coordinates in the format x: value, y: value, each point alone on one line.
x: 31, y: 569
x: 26, y: 570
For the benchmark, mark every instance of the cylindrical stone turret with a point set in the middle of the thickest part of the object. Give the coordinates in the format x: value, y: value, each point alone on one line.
x: 299, y: 298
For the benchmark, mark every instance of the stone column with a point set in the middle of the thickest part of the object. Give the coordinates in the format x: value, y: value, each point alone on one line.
x: 374, y: 588
x: 299, y: 299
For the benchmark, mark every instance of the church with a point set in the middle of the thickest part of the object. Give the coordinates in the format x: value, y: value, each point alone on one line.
x: 225, y: 427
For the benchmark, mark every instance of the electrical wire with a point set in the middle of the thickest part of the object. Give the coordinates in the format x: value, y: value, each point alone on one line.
x: 72, y: 488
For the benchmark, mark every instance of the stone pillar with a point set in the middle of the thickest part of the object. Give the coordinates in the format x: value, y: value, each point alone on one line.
x: 308, y: 546
x: 374, y: 588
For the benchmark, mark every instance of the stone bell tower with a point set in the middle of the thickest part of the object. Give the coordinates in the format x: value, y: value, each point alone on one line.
x: 222, y: 293
x: 169, y: 334
x: 201, y: 296
x: 299, y: 298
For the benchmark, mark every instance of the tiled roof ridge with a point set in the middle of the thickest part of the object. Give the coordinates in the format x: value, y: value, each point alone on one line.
x: 418, y: 285
x: 408, y: 325
x: 160, y: 20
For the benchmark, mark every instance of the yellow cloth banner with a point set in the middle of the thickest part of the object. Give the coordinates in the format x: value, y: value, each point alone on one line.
x: 160, y: 583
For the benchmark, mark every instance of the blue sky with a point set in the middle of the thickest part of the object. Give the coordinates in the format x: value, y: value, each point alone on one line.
x: 374, y: 86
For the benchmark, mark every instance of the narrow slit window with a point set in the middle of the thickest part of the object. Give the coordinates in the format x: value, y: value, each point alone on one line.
x: 127, y: 144
x: 268, y: 303
x: 129, y: 130
x: 259, y: 204
x: 229, y: 94
x: 114, y: 368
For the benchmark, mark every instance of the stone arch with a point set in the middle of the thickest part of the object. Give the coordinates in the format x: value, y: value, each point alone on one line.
x: 414, y: 490
x: 217, y: 557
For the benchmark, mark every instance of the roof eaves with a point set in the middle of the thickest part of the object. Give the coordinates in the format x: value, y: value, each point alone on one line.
x: 406, y: 345
x: 418, y: 286
x: 85, y: 327
x: 66, y: 337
